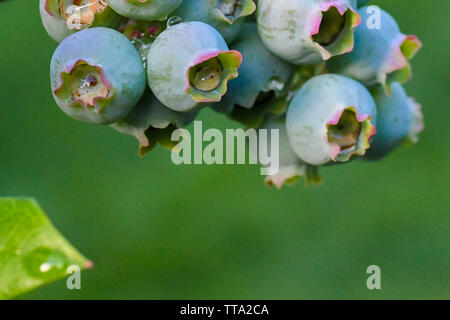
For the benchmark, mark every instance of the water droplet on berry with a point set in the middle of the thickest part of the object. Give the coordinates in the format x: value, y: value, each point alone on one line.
x: 207, y: 75
x: 172, y: 21
x: 143, y: 45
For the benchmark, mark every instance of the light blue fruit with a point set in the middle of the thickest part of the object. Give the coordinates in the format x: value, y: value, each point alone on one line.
x: 381, y: 51
x: 147, y: 10
x: 97, y: 76
x: 226, y: 16
x: 189, y: 65
x: 331, y: 119
x: 399, y: 120
x: 307, y: 31
x: 61, y: 18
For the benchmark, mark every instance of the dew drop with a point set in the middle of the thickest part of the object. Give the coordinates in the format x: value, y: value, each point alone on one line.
x: 172, y: 21
x: 143, y: 45
x: 206, y: 76
x: 45, y: 262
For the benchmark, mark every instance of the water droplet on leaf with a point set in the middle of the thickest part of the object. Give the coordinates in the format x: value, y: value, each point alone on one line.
x: 45, y: 262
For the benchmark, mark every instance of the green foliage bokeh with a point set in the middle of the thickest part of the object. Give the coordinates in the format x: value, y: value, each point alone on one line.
x: 158, y: 231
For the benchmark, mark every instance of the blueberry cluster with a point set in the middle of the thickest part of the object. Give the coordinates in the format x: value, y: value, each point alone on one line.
x: 326, y: 73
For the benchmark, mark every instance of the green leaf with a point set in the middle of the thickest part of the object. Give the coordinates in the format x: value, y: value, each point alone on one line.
x: 32, y: 251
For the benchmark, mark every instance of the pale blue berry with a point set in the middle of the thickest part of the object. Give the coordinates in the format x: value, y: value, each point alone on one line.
x: 399, y: 120
x: 189, y: 65
x: 61, y: 18
x: 381, y: 52
x: 307, y: 31
x: 331, y: 119
x: 97, y: 76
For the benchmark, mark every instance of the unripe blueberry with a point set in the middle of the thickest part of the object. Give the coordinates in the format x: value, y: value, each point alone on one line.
x: 144, y: 9
x: 381, y: 52
x: 150, y: 122
x: 61, y: 18
x: 307, y: 31
x: 226, y: 16
x: 97, y: 76
x: 260, y: 73
x: 331, y: 119
x: 291, y: 168
x: 399, y: 120
x: 189, y: 64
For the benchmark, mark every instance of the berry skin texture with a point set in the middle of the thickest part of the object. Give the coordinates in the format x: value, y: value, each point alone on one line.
x: 147, y: 10
x: 150, y: 122
x: 399, y: 121
x: 97, y: 76
x: 189, y: 65
x: 226, y: 16
x: 59, y: 19
x: 380, y: 55
x: 291, y: 168
x: 331, y: 119
x: 307, y: 31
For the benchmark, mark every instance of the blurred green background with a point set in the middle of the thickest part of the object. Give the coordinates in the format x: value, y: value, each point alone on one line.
x: 157, y: 231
